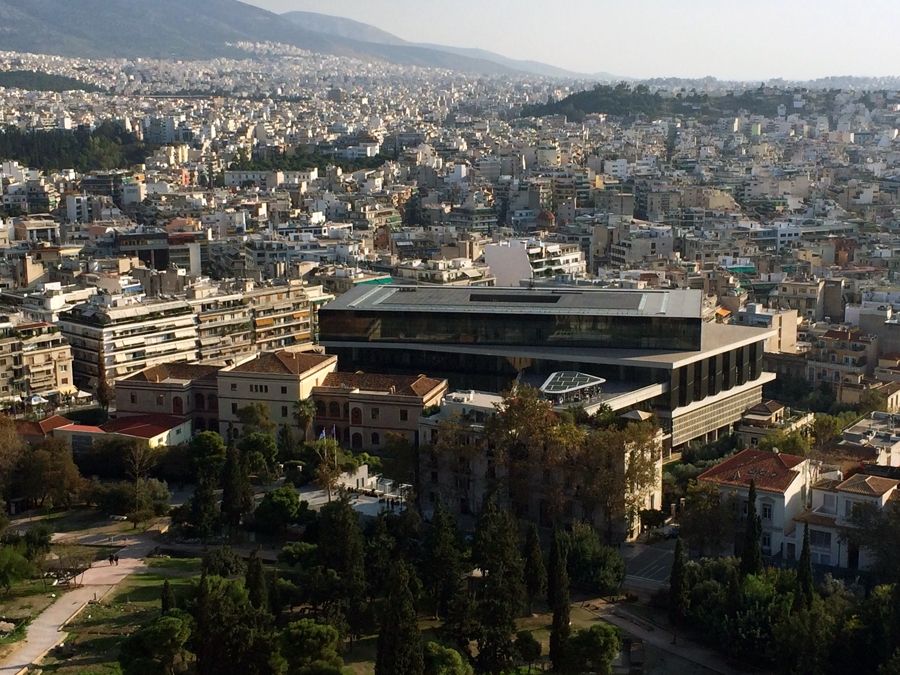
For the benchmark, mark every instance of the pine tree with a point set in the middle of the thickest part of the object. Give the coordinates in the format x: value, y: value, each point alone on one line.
x: 441, y: 563
x: 167, y: 599
x: 678, y: 591
x: 751, y: 556
x: 535, y: 573
x: 237, y: 498
x: 805, y: 586
x: 255, y: 581
x: 203, y: 512
x: 558, y: 599
x: 399, y: 641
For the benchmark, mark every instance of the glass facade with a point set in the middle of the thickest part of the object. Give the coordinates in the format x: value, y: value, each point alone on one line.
x: 521, y: 330
x: 483, y: 372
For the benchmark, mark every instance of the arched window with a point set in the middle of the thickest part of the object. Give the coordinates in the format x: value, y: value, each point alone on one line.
x: 213, y: 402
x: 346, y: 410
x: 376, y: 438
x: 356, y: 443
x: 177, y: 406
x: 201, y: 424
x: 320, y: 409
x: 199, y: 401
x: 334, y: 409
x: 356, y: 416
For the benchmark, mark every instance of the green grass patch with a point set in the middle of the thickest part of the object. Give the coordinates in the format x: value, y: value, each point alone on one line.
x: 96, y: 633
x: 28, y: 598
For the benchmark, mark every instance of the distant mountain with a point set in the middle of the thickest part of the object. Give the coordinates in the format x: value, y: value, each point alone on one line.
x: 348, y: 28
x: 339, y: 26
x: 201, y: 29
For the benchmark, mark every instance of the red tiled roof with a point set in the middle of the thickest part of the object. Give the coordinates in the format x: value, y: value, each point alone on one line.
x: 176, y: 371
x: 283, y: 362
x: 82, y: 428
x: 874, y: 486
x: 41, y: 427
x: 143, y: 426
x: 404, y: 385
x: 773, y: 472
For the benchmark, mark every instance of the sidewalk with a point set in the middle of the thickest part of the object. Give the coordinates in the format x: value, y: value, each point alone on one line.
x: 46, y: 631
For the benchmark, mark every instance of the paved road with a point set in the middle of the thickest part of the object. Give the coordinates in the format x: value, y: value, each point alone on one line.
x: 648, y: 565
x: 45, y: 632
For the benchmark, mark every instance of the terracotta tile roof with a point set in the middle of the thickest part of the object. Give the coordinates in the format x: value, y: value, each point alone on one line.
x: 873, y: 486
x: 812, y: 518
x: 283, y: 362
x: 41, y: 427
x: 143, y: 426
x: 82, y: 428
x: 829, y: 484
x: 772, y: 472
x: 174, y: 371
x: 405, y: 385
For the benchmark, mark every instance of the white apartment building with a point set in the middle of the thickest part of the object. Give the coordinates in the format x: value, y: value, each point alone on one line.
x: 114, y: 336
x: 516, y: 260
x: 782, y: 486
x: 833, y: 502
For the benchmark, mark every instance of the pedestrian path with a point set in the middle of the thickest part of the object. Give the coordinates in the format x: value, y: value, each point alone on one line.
x: 661, y: 638
x: 47, y: 629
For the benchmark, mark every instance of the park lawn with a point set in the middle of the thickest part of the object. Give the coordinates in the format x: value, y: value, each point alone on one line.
x: 98, y: 631
x: 25, y: 600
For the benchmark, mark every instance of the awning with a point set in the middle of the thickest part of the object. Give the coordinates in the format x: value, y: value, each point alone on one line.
x: 38, y: 400
x: 83, y: 394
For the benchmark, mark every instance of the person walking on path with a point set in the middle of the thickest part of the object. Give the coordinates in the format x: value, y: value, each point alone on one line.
x: 117, y: 560
x: 111, y: 558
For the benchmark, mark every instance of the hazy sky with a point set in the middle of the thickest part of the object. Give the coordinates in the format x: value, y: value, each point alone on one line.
x: 751, y: 39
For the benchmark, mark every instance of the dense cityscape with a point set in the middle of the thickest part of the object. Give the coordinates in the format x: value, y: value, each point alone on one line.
x: 326, y: 352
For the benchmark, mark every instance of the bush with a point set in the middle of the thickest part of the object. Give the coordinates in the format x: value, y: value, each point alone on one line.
x: 278, y: 509
x: 222, y: 561
x: 593, y: 567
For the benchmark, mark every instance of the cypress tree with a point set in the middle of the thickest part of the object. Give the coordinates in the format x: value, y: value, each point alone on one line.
x: 678, y: 591
x: 167, y: 599
x: 255, y: 581
x: 441, y: 564
x: 399, y: 641
x: 558, y: 598
x: 237, y: 498
x: 751, y: 556
x: 496, y: 551
x: 204, y: 645
x: 497, y: 623
x: 342, y: 549
x: 535, y: 573
x: 496, y: 547
x: 805, y: 587
x: 461, y: 623
x: 203, y: 505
